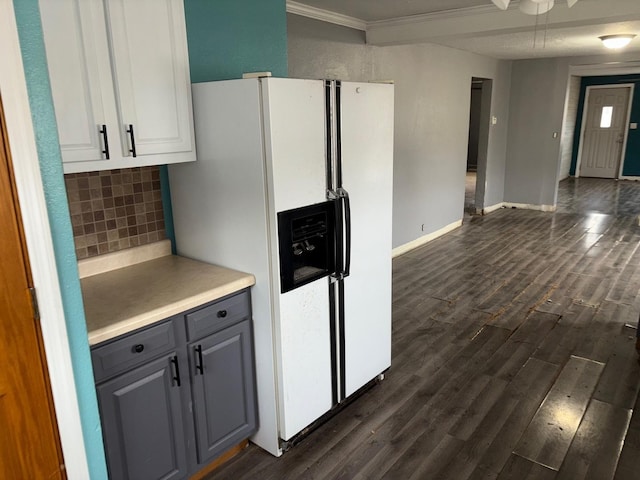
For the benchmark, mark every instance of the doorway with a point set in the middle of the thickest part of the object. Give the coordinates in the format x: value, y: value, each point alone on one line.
x: 477, y: 147
x: 604, y: 131
x: 29, y: 444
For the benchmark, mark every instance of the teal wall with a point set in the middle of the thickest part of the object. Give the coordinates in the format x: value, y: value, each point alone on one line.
x: 632, y: 157
x: 226, y: 38
x: 44, y: 123
x: 230, y: 37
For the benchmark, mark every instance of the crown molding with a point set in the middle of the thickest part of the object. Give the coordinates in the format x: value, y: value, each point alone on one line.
x: 608, y: 68
x: 442, y: 15
x: 308, y: 11
x: 326, y: 16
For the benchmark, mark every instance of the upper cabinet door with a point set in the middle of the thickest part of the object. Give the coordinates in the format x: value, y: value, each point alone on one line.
x: 80, y: 74
x: 119, y: 73
x: 150, y: 60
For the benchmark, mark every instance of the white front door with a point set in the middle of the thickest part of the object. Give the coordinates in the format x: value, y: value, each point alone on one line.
x: 604, y: 131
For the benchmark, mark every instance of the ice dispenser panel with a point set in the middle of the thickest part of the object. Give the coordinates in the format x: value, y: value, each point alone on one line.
x: 306, y: 244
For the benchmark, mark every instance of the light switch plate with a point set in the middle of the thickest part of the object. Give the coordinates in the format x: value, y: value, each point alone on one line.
x: 633, y: 126
x: 494, y: 120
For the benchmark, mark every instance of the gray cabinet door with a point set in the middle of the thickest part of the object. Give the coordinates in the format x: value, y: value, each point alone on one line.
x: 142, y: 423
x: 223, y: 390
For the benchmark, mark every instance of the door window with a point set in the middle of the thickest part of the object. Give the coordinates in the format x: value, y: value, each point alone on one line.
x: 607, y: 115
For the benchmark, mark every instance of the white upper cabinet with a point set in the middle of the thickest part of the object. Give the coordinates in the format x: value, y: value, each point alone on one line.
x: 150, y: 60
x: 80, y: 75
x: 119, y: 73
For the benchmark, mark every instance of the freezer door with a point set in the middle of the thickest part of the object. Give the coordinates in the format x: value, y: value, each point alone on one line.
x: 305, y: 357
x: 294, y: 126
x: 367, y: 175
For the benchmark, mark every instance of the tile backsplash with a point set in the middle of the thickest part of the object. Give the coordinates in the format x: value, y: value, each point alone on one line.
x: 115, y: 209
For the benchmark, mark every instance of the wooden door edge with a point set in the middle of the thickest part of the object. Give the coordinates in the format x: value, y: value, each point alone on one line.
x: 4, y: 139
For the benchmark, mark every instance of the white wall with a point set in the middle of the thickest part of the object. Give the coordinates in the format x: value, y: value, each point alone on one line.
x: 433, y: 86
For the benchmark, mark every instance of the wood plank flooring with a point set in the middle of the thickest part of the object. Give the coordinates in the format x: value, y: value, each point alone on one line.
x: 504, y: 331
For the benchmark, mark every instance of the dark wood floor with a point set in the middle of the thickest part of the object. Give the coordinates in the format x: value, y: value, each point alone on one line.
x: 513, y: 356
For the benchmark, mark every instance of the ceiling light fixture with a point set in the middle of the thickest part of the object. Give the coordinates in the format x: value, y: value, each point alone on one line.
x: 617, y: 41
x: 532, y: 7
x: 535, y: 7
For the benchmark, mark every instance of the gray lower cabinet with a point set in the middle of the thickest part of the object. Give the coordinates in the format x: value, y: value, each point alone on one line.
x: 177, y: 394
x: 223, y: 397
x: 142, y: 423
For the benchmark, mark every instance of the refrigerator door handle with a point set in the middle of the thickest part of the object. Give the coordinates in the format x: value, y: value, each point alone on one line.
x: 334, y: 196
x: 343, y: 232
x: 344, y: 195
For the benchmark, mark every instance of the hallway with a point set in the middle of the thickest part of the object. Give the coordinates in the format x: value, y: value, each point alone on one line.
x: 470, y: 193
x: 513, y: 355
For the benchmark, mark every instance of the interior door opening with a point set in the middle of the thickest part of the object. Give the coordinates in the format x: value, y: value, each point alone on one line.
x: 479, y: 121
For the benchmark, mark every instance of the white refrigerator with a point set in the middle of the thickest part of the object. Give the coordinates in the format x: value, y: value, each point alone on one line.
x: 293, y: 183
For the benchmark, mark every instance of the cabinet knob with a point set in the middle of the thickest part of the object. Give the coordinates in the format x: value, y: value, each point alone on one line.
x: 138, y: 348
x: 222, y: 313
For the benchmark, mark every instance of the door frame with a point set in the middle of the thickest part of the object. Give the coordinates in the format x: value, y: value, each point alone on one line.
x: 33, y: 211
x: 484, y: 139
x: 486, y: 99
x: 585, y: 106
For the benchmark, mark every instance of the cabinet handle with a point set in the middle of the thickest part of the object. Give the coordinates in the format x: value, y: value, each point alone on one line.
x: 138, y: 348
x: 105, y: 141
x: 199, y: 366
x: 176, y: 377
x: 133, y: 140
x: 222, y: 313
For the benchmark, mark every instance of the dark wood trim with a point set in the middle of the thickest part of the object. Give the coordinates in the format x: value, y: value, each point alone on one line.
x: 221, y: 460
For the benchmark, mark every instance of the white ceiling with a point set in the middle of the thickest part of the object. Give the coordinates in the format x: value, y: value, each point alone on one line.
x: 480, y: 27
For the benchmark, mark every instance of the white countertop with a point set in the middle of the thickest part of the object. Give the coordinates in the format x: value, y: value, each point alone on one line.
x: 130, y: 297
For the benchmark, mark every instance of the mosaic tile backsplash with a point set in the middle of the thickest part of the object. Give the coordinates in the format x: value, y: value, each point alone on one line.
x: 115, y: 209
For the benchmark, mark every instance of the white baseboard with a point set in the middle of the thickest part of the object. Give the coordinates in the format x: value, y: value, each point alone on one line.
x: 635, y: 179
x: 524, y: 206
x: 493, y: 208
x: 418, y: 242
x: 530, y: 206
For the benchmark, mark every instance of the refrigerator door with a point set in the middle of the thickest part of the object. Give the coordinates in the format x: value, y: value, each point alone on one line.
x: 294, y: 125
x: 294, y: 114
x: 367, y: 175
